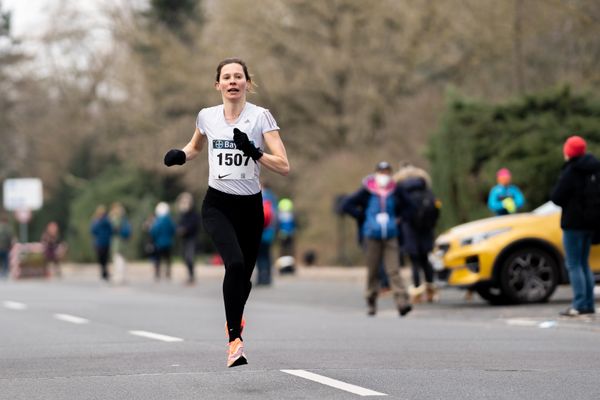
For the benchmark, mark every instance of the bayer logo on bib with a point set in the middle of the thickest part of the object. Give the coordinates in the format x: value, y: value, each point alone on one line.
x: 229, y: 162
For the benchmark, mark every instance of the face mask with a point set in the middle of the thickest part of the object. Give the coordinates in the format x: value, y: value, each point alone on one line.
x: 382, y: 180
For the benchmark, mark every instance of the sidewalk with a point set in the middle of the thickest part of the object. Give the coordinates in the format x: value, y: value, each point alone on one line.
x: 141, y: 270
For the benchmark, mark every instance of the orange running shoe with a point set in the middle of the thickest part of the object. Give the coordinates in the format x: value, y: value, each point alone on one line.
x: 235, y: 355
x: 241, y: 327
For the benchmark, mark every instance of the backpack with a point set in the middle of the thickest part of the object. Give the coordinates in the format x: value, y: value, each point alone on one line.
x: 268, y: 211
x: 591, y: 199
x: 426, y: 212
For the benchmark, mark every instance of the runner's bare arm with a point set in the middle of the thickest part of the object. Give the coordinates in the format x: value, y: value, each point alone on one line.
x: 276, y: 160
x: 195, y: 145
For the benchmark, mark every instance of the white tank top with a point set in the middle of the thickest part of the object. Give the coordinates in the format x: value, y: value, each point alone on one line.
x: 229, y: 170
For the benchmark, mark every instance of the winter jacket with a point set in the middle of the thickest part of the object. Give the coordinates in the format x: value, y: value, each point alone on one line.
x: 415, y: 242
x: 568, y: 192
x: 501, y: 192
x: 102, y: 230
x: 163, y: 232
x: 378, y: 208
x: 189, y: 224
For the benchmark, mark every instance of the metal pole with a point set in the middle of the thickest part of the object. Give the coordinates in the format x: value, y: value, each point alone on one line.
x: 23, y: 232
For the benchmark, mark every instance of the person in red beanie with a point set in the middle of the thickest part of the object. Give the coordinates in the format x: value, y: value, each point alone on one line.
x: 505, y: 198
x: 578, y: 193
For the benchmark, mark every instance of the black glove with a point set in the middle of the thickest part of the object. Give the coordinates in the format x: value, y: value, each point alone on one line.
x: 175, y: 157
x: 243, y: 143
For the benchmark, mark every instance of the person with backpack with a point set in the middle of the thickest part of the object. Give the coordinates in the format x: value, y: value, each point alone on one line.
x: 379, y: 203
x: 505, y: 198
x: 418, y: 231
x: 578, y: 193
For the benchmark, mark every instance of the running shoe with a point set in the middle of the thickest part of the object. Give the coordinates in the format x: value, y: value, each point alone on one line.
x: 570, y: 312
x: 371, y: 306
x: 404, y: 310
x: 241, y: 327
x: 235, y: 354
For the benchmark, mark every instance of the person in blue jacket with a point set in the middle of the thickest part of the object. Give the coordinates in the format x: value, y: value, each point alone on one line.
x: 380, y: 203
x: 505, y: 198
x: 163, y: 233
x: 102, y: 231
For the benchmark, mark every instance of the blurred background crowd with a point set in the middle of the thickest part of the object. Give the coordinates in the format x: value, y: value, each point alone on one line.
x: 461, y: 88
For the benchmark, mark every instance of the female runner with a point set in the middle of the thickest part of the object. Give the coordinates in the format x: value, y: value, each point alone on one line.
x: 235, y: 133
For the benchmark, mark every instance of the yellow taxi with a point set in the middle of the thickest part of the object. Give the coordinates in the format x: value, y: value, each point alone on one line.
x: 516, y: 258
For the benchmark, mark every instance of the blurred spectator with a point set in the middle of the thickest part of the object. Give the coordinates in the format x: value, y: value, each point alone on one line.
x: 163, y: 233
x: 418, y: 231
x: 6, y: 242
x: 263, y: 261
x: 379, y: 202
x: 286, y: 231
x: 54, y: 248
x: 147, y: 241
x: 121, y: 234
x: 102, y: 231
x: 505, y: 198
x: 188, y: 228
x: 578, y: 193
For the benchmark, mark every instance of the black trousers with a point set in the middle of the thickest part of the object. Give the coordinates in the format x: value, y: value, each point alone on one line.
x: 421, y: 262
x: 102, y: 254
x: 235, y: 224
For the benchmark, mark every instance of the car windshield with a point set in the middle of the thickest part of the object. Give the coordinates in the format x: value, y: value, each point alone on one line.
x: 546, y: 208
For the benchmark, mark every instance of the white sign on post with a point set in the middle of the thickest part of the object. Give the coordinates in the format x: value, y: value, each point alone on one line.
x: 22, y: 194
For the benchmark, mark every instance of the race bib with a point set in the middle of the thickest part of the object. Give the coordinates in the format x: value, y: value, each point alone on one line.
x: 230, y: 163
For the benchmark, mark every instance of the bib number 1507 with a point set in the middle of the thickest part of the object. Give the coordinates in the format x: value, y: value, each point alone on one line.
x: 230, y: 159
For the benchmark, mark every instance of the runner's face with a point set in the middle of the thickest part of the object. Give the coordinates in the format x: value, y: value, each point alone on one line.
x: 232, y: 82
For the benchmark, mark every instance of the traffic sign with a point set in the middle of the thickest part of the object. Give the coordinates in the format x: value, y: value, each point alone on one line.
x: 23, y: 194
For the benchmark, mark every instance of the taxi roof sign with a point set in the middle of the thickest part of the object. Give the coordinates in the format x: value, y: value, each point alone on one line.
x: 22, y: 194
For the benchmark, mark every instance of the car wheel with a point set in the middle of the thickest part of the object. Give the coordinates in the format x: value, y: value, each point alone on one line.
x: 492, y: 295
x: 528, y: 275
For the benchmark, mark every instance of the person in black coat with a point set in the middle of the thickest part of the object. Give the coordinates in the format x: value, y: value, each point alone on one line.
x: 418, y: 240
x: 188, y: 228
x: 571, y: 194
x: 378, y: 204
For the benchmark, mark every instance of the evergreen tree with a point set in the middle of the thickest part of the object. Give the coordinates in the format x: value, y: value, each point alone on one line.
x: 526, y: 135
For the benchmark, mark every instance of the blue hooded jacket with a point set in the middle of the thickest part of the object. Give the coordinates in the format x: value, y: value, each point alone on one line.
x: 163, y: 232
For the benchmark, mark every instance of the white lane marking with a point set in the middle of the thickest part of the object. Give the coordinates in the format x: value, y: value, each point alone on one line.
x: 14, y: 305
x: 521, y: 322
x: 332, y: 382
x: 157, y: 336
x: 71, y: 318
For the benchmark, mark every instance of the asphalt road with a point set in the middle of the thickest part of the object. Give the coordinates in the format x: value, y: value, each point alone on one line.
x: 307, y: 337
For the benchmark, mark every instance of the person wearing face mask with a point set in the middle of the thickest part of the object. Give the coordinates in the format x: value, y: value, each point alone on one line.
x: 379, y: 203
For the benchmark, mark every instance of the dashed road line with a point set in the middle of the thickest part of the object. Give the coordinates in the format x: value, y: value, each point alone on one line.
x: 156, y: 336
x: 14, y: 305
x: 531, y: 322
x: 333, y: 382
x: 71, y: 318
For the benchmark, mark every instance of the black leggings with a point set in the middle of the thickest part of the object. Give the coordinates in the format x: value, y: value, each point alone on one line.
x: 235, y: 224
